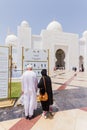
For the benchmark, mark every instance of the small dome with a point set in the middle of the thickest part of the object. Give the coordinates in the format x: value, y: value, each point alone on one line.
x: 85, y: 34
x: 82, y: 40
x: 24, y: 24
x: 11, y: 40
x: 54, y: 25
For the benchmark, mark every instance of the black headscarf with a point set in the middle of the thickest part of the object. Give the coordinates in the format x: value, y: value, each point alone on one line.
x: 44, y: 72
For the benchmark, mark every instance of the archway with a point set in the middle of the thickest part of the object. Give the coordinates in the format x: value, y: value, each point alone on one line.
x: 60, y: 56
x: 81, y: 63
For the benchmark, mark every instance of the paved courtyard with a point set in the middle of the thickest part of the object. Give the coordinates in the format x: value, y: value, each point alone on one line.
x: 70, y: 106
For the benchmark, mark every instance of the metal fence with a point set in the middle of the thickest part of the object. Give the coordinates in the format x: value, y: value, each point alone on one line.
x: 18, y: 58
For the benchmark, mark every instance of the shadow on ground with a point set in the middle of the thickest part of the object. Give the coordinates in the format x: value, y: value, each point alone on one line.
x: 70, y: 98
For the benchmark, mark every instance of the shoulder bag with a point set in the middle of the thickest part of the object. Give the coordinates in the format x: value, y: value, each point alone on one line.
x: 43, y: 97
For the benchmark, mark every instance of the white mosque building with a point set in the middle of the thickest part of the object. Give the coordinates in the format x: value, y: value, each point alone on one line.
x: 66, y: 50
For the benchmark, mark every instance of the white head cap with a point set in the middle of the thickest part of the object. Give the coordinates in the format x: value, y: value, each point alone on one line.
x: 29, y: 66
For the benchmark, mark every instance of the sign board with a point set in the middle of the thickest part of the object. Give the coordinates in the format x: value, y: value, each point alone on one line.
x: 37, y: 58
x: 4, y: 72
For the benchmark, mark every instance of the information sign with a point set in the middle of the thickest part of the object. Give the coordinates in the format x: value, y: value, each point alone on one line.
x: 37, y: 58
x: 3, y: 72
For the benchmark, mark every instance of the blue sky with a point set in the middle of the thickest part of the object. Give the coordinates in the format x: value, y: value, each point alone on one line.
x: 71, y: 14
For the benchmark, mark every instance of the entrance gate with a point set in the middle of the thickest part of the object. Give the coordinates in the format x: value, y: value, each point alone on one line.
x: 60, y: 56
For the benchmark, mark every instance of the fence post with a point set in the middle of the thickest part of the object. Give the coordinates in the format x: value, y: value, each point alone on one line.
x: 22, y: 58
x: 10, y: 59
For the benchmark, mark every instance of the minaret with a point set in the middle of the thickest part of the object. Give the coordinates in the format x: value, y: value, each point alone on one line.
x: 24, y: 34
x: 8, y: 31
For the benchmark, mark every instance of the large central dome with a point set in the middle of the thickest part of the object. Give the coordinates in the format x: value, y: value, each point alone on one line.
x: 54, y: 25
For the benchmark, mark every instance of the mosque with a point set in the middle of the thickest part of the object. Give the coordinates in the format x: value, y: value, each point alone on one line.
x: 66, y: 50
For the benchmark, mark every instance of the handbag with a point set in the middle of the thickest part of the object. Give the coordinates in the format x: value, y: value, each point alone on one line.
x: 43, y: 97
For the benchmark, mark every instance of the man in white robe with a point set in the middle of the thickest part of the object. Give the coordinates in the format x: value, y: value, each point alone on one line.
x: 29, y: 89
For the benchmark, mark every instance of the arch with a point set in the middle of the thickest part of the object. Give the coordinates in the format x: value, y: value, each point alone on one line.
x: 60, y: 56
x: 81, y: 63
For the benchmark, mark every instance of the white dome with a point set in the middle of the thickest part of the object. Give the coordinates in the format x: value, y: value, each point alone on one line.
x: 54, y: 25
x: 24, y: 24
x: 82, y: 40
x: 85, y: 34
x: 11, y: 40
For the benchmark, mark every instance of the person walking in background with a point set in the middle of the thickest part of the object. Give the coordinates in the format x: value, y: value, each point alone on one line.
x: 29, y: 89
x: 46, y: 104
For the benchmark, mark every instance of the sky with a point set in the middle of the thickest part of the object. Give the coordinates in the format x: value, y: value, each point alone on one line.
x: 71, y: 14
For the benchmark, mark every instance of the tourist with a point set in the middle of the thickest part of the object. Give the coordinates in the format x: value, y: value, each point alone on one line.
x: 46, y: 104
x: 29, y: 89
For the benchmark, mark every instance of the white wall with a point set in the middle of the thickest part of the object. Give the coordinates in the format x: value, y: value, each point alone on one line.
x: 54, y: 40
x: 37, y: 42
